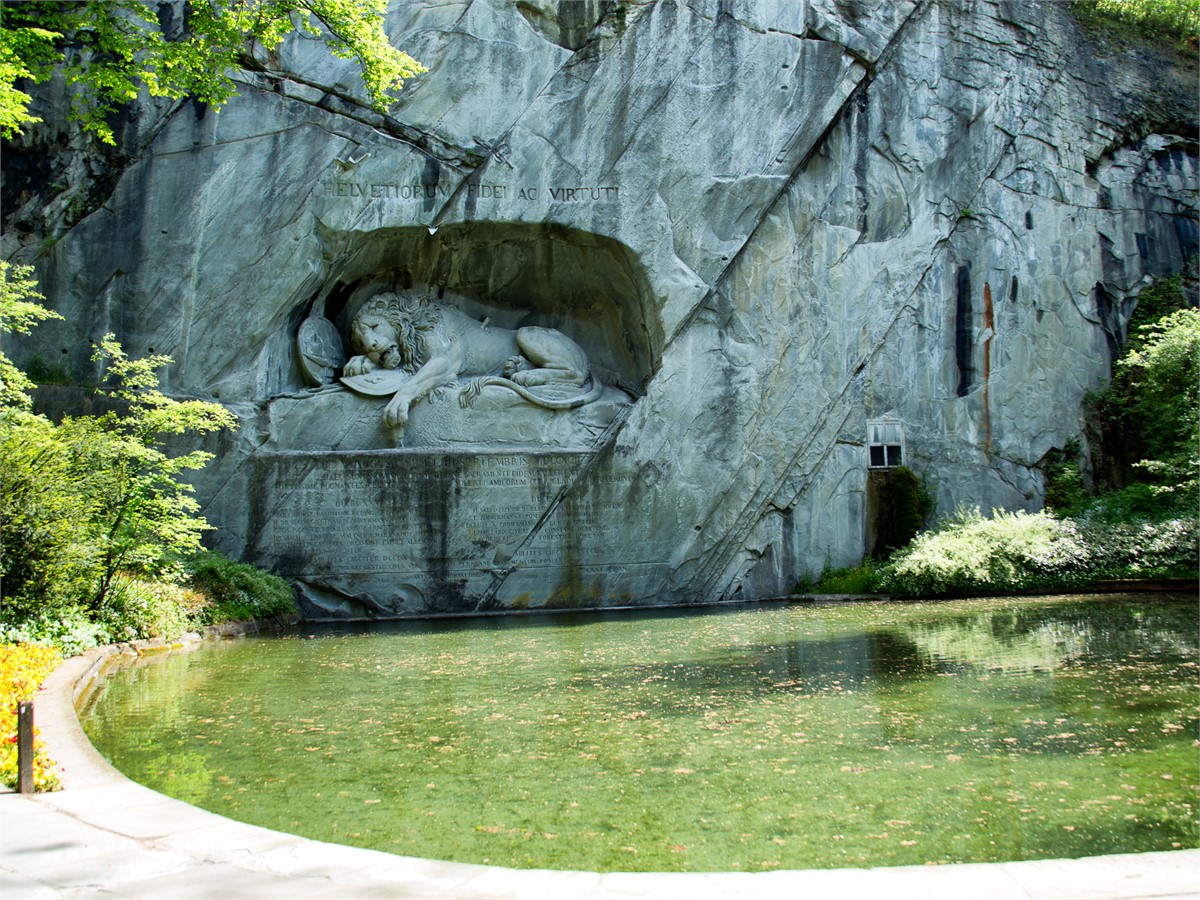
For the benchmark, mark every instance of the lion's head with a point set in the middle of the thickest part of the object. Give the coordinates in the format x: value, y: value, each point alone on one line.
x: 388, y: 330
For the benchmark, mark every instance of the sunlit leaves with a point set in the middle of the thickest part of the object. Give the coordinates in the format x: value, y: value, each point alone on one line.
x: 83, y: 498
x: 354, y: 28
x: 1164, y: 373
x: 972, y: 553
x: 145, y: 514
x: 19, y: 311
x: 25, y: 53
x: 110, y: 49
x: 1177, y: 20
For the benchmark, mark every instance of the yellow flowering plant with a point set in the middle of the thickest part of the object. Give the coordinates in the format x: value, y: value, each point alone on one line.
x: 23, y: 667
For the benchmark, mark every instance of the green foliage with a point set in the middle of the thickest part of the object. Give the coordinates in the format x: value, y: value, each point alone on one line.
x: 1144, y: 424
x: 19, y: 311
x: 1156, y: 300
x: 235, y: 591
x: 42, y: 372
x: 1136, y: 502
x: 70, y: 629
x: 95, y: 497
x: 901, y: 507
x: 1167, y: 548
x: 1177, y: 21
x: 1163, y: 372
x: 144, y: 516
x: 971, y: 554
x: 854, y: 580
x: 1064, y: 488
x: 214, y: 589
x: 109, y: 49
x: 137, y: 609
x: 48, y: 558
x: 97, y: 529
x: 25, y: 52
x: 45, y: 556
x: 1065, y: 491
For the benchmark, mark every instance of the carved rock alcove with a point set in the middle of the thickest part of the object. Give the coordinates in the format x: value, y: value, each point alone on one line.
x: 485, y: 281
x: 482, y: 499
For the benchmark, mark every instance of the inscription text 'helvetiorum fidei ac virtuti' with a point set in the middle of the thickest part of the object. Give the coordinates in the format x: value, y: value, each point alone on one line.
x: 396, y: 191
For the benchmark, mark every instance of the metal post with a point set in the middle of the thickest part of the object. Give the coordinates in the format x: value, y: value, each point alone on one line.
x: 25, y: 747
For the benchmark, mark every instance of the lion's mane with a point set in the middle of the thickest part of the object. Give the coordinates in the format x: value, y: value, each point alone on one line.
x: 411, y: 316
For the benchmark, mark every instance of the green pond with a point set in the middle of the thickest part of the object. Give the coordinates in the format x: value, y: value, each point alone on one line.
x: 748, y: 738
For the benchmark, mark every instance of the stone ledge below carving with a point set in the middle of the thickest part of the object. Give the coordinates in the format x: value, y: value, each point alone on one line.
x: 337, y: 419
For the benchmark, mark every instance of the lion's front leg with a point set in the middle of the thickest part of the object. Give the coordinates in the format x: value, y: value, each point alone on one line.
x: 395, y: 414
x: 444, y: 358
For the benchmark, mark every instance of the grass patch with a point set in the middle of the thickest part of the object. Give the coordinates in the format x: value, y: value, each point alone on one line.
x: 860, y: 579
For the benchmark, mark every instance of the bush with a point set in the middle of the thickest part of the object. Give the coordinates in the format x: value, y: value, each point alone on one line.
x: 860, y: 579
x: 214, y: 589
x: 1145, y: 549
x: 1177, y: 21
x: 971, y: 554
x: 1163, y: 371
x: 1136, y: 503
x: 71, y: 631
x: 48, y: 560
x: 1013, y: 552
x: 136, y: 609
x: 1065, y: 490
x: 1146, y: 423
x: 901, y: 504
x: 94, y: 507
x: 236, y: 591
x: 22, y: 670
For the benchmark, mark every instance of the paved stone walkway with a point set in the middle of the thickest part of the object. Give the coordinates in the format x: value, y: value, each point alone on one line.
x: 105, y: 836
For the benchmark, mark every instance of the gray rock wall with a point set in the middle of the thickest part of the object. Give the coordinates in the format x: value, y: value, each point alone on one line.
x: 766, y: 223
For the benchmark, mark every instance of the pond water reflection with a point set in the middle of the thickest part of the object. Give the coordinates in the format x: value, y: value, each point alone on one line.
x: 753, y: 738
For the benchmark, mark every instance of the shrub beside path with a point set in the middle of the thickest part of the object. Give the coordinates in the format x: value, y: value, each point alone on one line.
x: 105, y: 836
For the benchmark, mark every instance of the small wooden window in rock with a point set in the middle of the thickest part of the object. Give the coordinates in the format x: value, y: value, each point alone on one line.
x: 885, y: 443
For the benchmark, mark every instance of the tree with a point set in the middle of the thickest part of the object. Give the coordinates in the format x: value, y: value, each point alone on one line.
x: 109, y: 49
x: 144, y: 514
x: 1175, y: 21
x: 48, y: 561
x: 91, y: 496
x: 1163, y: 371
x: 19, y: 310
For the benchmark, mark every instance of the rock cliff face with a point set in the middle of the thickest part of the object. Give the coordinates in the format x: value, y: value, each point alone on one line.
x: 769, y: 226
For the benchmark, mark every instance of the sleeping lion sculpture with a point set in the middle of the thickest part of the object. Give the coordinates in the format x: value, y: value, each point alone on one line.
x: 410, y: 346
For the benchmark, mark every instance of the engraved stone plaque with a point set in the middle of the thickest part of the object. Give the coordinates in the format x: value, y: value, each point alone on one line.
x: 400, y: 533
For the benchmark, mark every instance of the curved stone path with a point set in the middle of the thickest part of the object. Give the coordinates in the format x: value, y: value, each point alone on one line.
x: 105, y: 836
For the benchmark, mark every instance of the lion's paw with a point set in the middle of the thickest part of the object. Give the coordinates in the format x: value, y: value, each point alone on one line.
x: 358, y: 365
x: 396, y: 414
x: 513, y: 365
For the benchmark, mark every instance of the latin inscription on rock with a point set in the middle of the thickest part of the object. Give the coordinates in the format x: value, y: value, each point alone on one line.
x: 400, y: 532
x: 399, y: 192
